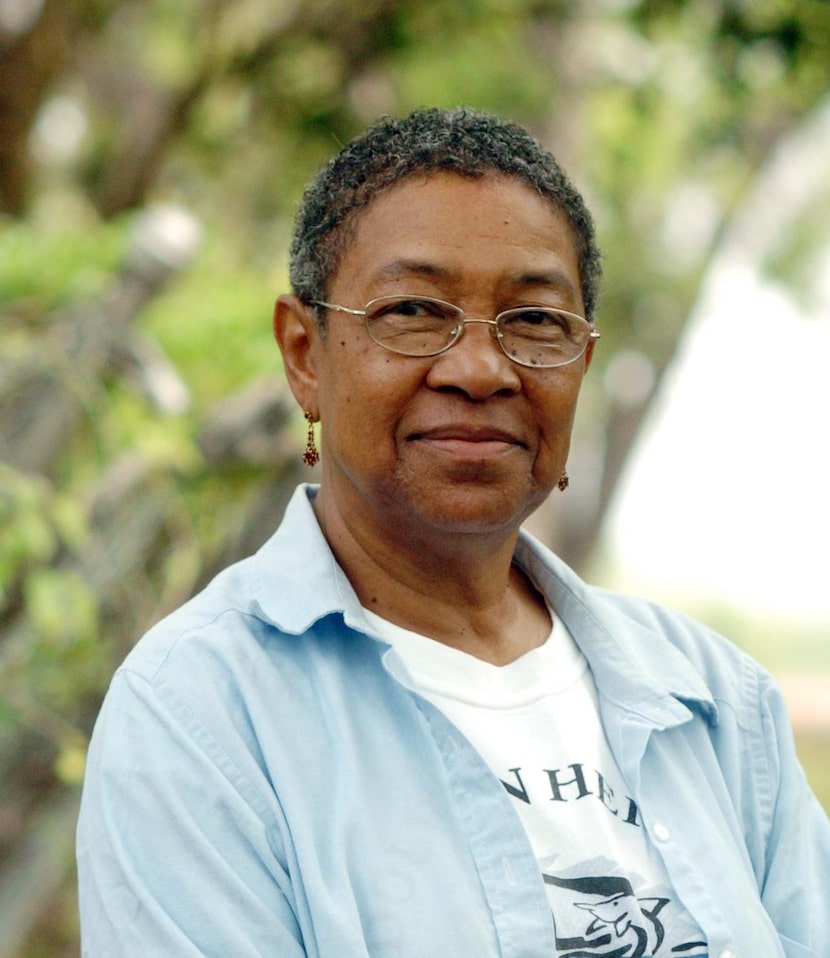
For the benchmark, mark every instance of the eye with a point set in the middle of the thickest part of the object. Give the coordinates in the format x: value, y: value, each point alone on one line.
x: 529, y: 316
x: 538, y: 322
x: 416, y: 308
x: 412, y: 325
x: 409, y: 310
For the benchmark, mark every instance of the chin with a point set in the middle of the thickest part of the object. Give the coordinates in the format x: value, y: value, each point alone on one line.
x: 475, y: 511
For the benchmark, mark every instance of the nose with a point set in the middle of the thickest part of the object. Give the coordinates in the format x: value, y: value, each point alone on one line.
x: 475, y: 364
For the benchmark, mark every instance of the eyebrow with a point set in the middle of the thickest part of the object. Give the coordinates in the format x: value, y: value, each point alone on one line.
x: 554, y: 278
x: 402, y: 268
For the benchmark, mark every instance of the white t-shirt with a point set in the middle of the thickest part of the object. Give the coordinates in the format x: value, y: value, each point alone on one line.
x: 536, y: 724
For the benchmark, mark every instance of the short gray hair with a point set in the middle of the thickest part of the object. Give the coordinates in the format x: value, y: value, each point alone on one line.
x: 462, y: 141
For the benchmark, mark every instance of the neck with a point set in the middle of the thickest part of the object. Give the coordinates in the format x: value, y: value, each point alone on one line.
x: 459, y: 589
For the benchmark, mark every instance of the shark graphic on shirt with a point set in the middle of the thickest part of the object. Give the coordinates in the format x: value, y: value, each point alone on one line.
x: 618, y: 924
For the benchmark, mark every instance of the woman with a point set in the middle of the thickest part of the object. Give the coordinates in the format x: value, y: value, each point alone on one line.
x: 404, y: 727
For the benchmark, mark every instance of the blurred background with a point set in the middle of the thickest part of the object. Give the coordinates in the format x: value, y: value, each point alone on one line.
x: 151, y: 156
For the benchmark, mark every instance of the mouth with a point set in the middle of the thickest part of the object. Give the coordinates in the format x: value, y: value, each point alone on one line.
x: 469, y: 440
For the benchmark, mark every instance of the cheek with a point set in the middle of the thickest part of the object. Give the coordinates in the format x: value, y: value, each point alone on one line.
x: 359, y: 400
x: 557, y: 411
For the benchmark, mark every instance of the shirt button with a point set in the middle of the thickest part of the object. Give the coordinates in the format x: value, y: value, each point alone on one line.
x: 662, y: 834
x: 727, y: 953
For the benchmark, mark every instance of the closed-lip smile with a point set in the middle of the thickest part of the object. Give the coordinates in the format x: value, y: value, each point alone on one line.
x: 466, y: 433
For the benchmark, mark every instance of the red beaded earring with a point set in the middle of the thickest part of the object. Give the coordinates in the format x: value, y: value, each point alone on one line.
x: 311, y: 456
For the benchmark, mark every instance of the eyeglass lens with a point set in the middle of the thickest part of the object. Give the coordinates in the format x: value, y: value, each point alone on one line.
x: 530, y: 335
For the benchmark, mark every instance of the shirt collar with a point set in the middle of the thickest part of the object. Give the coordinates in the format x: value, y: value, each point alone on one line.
x: 297, y: 581
x: 632, y: 662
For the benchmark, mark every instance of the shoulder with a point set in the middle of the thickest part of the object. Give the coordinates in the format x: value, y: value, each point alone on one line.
x: 706, y: 649
x: 656, y: 645
x: 263, y: 642
x: 259, y: 603
x: 222, y: 614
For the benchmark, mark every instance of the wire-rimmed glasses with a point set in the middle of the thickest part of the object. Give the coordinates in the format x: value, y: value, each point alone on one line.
x: 538, y: 336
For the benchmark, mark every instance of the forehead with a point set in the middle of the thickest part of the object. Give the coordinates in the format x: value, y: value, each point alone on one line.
x: 458, y: 230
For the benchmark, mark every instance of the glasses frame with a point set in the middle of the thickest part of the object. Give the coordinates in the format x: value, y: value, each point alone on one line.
x: 463, y: 322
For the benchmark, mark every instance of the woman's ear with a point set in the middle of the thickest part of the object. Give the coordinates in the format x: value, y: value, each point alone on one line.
x: 296, y: 332
x: 589, y: 354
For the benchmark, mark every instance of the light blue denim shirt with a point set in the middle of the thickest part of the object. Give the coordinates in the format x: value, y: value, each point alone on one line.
x: 263, y: 781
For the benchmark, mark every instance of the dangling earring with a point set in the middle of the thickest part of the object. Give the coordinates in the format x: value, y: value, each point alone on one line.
x: 564, y: 481
x: 311, y: 456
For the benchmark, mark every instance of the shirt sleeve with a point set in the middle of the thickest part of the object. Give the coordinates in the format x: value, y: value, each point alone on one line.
x: 179, y: 853
x: 797, y: 877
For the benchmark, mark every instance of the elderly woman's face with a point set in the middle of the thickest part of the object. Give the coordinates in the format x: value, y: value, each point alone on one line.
x: 466, y: 441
